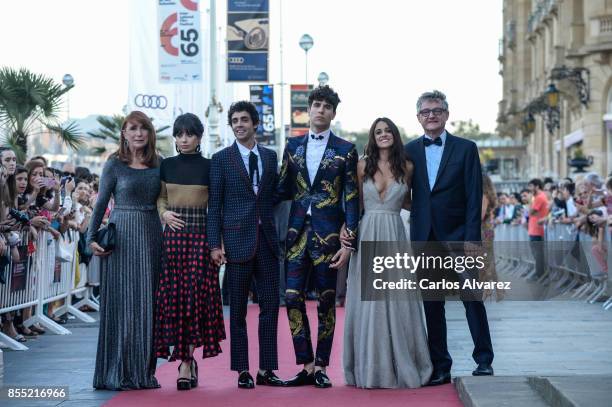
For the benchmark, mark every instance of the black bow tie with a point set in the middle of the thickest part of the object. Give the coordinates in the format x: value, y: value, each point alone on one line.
x: 315, y: 137
x: 428, y: 141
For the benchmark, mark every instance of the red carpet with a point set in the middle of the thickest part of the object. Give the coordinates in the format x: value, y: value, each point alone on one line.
x: 218, y: 384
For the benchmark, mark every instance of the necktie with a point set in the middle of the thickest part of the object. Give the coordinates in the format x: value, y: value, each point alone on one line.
x: 315, y: 137
x: 253, y: 169
x: 428, y: 141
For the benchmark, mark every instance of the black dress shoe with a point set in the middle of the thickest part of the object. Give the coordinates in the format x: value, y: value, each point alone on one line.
x: 268, y: 379
x: 245, y: 381
x: 301, y: 379
x: 439, y: 378
x: 483, y: 369
x: 321, y: 380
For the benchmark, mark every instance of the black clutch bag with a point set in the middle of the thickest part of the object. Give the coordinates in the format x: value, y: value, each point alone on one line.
x: 107, y: 237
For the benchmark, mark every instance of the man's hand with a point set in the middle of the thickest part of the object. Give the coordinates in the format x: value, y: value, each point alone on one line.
x: 345, y: 238
x: 218, y: 257
x: 340, y: 259
x: 173, y: 220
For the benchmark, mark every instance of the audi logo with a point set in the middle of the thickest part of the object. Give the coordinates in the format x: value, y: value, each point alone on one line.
x: 236, y: 60
x: 151, y: 101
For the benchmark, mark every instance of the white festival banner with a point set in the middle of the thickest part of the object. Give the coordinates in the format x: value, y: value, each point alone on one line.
x: 162, y: 101
x: 180, y: 50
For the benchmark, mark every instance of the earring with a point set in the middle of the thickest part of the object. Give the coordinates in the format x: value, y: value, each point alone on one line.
x: 177, y: 148
x: 126, y: 144
x: 198, y: 149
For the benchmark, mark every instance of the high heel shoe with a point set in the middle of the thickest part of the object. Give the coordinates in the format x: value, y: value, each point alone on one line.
x: 194, y: 373
x: 182, y: 383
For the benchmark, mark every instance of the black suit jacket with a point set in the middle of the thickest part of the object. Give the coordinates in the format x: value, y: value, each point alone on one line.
x: 453, y: 207
x: 234, y: 211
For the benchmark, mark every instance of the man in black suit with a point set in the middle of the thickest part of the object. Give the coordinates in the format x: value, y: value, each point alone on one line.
x: 241, y: 234
x: 446, y: 207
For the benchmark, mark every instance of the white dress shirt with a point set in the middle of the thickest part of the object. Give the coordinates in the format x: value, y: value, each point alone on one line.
x: 314, y: 154
x: 244, y: 152
x: 433, y: 157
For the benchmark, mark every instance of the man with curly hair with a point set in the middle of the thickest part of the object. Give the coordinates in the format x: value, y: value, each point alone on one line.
x: 319, y: 175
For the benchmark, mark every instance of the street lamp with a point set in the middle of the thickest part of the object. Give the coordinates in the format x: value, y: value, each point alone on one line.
x: 306, y: 42
x: 552, y: 95
x: 323, y: 78
x: 580, y: 77
x: 529, y: 122
x: 68, y: 82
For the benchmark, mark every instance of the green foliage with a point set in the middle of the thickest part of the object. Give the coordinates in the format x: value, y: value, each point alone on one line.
x: 28, y: 100
x: 470, y: 130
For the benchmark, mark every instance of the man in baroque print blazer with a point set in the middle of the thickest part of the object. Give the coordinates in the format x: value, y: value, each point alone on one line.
x: 319, y: 174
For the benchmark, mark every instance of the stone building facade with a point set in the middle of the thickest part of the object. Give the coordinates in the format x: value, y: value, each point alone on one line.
x: 566, y: 43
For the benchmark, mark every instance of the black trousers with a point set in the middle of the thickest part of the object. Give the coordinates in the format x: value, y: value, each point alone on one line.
x: 263, y: 267
x: 476, y: 315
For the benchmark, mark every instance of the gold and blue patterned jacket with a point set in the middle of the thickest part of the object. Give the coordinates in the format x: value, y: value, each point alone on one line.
x: 333, y: 195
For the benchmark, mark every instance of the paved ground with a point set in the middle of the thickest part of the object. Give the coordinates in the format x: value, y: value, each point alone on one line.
x: 544, y: 338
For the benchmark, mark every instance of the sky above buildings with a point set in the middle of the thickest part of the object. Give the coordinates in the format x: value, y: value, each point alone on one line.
x: 380, y: 55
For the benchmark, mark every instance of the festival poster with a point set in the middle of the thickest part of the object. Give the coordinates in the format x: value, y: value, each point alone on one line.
x: 300, y: 122
x: 248, y: 33
x: 262, y: 96
x: 180, y: 41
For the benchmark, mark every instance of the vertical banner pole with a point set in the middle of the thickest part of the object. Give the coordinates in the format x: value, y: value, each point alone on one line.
x: 212, y: 110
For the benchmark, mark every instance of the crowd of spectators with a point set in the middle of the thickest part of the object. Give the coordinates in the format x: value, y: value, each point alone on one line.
x: 36, y: 198
x: 584, y: 202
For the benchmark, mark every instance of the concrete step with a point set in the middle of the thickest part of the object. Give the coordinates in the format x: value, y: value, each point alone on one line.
x: 497, y: 391
x: 574, y: 391
x: 534, y: 391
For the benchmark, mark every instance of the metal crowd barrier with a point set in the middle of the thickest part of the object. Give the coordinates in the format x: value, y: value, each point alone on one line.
x: 570, y: 268
x: 39, y: 279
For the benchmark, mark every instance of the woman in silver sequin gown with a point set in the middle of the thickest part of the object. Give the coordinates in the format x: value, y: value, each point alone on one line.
x: 128, y: 275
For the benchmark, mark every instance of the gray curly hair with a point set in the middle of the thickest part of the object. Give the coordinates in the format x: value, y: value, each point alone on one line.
x: 433, y: 95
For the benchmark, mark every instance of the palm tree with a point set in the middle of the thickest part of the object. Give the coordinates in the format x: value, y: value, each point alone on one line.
x: 110, y: 129
x: 28, y: 100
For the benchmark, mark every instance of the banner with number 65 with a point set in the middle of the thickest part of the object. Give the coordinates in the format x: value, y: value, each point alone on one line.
x: 180, y: 51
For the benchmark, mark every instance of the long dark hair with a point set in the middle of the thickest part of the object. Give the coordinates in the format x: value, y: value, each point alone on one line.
x: 397, y: 155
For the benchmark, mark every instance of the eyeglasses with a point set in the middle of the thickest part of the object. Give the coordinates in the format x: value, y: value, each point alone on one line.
x: 436, y: 112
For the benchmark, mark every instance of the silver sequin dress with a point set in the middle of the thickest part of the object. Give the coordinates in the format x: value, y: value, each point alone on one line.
x: 128, y: 278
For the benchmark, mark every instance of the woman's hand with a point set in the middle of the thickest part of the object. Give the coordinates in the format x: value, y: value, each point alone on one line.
x: 58, y: 185
x: 98, y: 250
x: 56, y: 235
x: 173, y: 220
x: 39, y: 222
x: 7, y: 225
x: 69, y: 185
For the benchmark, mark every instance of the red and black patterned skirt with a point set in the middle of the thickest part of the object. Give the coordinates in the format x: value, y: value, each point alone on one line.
x: 188, y: 303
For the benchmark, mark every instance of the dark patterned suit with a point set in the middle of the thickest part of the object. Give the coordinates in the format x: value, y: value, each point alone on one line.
x: 313, y: 240
x: 244, y: 222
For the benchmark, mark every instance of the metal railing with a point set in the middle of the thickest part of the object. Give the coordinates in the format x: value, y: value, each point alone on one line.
x: 40, y: 278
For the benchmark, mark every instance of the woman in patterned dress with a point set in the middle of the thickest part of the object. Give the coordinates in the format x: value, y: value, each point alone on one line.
x: 189, y: 311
